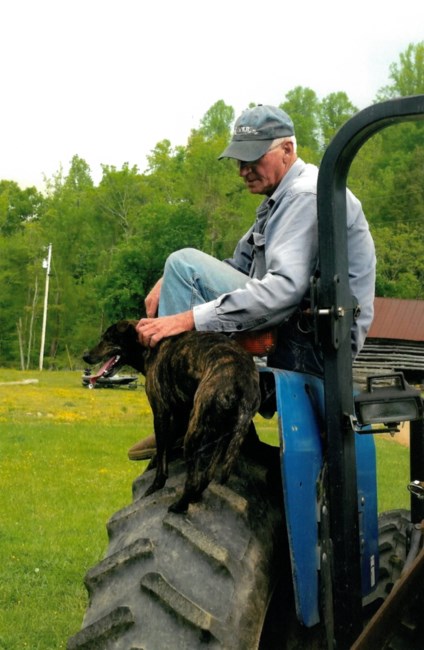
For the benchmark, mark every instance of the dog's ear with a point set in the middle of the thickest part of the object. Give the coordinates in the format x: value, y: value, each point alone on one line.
x: 126, y: 329
x: 122, y: 326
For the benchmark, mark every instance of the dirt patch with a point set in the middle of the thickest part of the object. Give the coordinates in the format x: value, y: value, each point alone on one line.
x: 402, y: 437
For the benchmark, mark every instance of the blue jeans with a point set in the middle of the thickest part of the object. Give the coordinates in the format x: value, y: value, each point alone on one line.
x: 191, y: 278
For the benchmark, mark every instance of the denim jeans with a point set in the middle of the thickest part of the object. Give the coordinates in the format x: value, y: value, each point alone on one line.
x: 191, y: 278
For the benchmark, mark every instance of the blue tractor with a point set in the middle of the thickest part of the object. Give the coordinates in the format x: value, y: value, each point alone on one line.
x: 290, y: 553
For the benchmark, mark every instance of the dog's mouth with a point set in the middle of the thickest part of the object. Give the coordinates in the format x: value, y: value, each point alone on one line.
x: 108, y: 369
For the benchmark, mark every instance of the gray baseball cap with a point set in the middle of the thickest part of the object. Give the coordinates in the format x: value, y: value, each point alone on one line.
x: 255, y: 130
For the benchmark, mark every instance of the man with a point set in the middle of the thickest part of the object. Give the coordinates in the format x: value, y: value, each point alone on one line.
x: 266, y: 282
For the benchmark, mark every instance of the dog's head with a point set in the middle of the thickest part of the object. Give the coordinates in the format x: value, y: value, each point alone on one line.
x: 118, y: 346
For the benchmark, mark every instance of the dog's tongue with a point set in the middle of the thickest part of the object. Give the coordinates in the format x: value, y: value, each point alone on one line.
x: 104, y: 369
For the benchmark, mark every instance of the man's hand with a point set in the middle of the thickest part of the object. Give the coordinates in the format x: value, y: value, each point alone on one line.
x: 152, y: 330
x: 152, y: 300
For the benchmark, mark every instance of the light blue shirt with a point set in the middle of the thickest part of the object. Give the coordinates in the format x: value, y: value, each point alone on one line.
x: 280, y: 253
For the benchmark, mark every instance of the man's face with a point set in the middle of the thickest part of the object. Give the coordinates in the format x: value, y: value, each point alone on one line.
x: 263, y: 175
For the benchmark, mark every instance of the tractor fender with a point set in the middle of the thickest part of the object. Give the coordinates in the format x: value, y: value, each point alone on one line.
x: 300, y: 408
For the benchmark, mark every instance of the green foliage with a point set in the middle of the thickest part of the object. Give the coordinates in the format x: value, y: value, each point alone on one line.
x: 21, y: 277
x: 133, y: 266
x: 213, y: 186
x: 302, y: 105
x: 217, y: 121
x: 400, y: 260
x: 17, y: 207
x: 110, y: 241
x: 335, y: 110
x: 118, y: 200
x: 407, y: 76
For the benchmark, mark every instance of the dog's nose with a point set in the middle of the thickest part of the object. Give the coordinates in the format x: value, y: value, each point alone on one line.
x: 86, y: 356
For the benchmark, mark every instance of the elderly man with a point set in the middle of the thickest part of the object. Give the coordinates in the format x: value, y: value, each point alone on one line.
x: 266, y: 282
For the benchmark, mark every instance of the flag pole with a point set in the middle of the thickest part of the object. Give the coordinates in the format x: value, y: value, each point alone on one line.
x: 46, y: 265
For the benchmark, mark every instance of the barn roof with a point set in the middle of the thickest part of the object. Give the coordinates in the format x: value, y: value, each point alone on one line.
x: 395, y: 318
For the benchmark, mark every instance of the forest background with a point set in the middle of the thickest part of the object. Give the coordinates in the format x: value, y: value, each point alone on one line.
x: 110, y: 241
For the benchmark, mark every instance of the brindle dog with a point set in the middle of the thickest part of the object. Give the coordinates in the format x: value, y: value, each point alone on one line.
x: 200, y: 385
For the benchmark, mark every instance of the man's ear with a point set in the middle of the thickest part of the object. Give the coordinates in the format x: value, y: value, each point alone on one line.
x: 287, y: 147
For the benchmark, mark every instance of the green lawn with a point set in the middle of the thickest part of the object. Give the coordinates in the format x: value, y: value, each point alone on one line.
x: 63, y: 472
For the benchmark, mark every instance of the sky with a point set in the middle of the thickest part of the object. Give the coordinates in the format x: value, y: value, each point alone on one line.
x: 107, y: 80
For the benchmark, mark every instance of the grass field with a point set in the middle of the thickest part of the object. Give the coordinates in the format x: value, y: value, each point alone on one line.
x: 63, y: 472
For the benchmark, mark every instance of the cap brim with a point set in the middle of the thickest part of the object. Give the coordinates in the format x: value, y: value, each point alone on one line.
x: 246, y: 150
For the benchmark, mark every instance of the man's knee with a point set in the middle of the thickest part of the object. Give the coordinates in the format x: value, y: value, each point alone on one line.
x: 184, y: 258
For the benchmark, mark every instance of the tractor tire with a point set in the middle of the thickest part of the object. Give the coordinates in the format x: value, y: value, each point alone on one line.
x: 394, y: 542
x: 187, y: 582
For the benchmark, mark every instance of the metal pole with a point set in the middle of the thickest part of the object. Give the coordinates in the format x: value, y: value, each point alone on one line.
x: 335, y: 300
x: 46, y: 265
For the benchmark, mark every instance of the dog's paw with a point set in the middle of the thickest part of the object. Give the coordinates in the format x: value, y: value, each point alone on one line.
x: 179, y: 507
x: 157, y: 484
x: 150, y: 490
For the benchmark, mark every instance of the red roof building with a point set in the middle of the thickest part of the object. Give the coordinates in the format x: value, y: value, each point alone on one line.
x: 398, y: 319
x: 395, y: 341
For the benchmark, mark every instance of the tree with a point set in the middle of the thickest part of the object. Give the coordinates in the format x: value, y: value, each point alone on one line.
x: 400, y: 262
x: 67, y: 219
x: 389, y: 172
x: 20, y: 276
x: 17, y: 206
x: 211, y: 187
x: 303, y: 107
x: 137, y: 263
x: 335, y: 110
x: 119, y: 198
x: 193, y: 176
x: 407, y: 76
x: 68, y: 222
x: 165, y: 175
x: 217, y: 120
x: 79, y: 176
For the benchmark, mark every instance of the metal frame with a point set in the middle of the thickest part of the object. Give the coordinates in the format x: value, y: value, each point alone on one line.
x: 335, y: 311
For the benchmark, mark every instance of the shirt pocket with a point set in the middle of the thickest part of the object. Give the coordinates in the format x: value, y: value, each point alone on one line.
x: 257, y: 240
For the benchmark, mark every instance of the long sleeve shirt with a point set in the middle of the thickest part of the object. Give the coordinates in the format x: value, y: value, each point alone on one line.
x: 279, y: 253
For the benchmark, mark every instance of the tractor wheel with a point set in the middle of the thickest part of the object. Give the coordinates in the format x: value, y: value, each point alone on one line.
x: 394, y: 542
x: 204, y: 579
